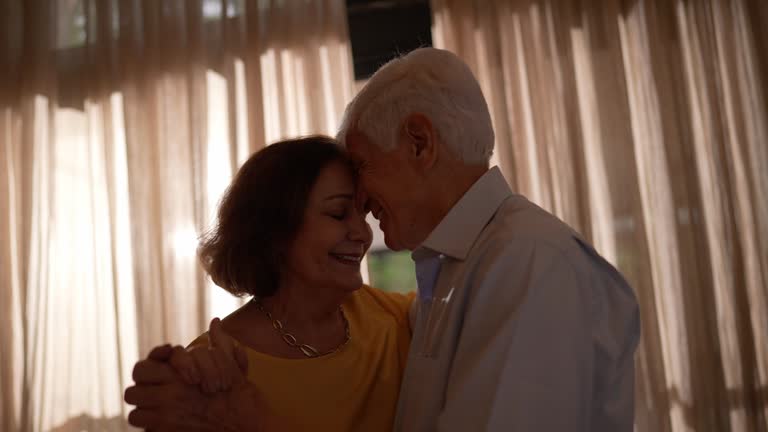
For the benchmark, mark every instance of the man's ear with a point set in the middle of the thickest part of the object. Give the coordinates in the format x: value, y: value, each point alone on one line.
x: 422, y: 139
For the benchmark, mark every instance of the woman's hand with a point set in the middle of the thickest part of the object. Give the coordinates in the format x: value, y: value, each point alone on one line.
x: 216, y: 367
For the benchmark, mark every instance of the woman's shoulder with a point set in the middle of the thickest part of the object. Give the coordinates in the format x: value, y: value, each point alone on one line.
x: 201, y: 340
x: 232, y: 325
x: 372, y: 301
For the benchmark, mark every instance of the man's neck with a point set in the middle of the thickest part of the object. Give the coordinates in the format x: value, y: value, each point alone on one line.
x: 445, y: 195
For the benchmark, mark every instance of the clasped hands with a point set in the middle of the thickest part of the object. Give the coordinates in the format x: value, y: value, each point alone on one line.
x: 203, y: 388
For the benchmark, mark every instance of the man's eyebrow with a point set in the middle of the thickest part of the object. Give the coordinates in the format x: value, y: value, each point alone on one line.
x: 340, y: 196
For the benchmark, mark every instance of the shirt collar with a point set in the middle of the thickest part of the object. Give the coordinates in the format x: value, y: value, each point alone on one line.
x: 459, y: 229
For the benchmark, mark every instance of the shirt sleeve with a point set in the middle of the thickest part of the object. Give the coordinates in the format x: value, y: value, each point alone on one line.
x: 525, y: 359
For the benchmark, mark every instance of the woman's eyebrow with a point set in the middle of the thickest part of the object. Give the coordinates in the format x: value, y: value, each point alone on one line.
x: 340, y: 196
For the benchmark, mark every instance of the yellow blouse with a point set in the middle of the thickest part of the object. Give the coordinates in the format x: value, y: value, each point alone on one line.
x: 353, y: 389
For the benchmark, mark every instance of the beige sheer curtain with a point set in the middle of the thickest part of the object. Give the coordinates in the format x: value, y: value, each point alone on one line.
x: 644, y: 124
x: 120, y: 124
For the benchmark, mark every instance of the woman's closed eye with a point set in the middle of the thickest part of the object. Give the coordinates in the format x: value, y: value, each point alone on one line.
x: 339, y: 206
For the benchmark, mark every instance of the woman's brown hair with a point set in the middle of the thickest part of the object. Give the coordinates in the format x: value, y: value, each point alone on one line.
x: 261, y: 212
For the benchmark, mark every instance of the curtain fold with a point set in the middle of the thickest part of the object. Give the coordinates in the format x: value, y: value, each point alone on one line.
x: 121, y: 123
x: 642, y: 123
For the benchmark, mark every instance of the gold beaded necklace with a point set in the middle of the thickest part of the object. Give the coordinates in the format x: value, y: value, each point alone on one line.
x: 306, y: 349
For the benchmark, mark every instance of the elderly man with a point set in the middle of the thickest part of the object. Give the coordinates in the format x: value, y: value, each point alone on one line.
x: 519, y: 325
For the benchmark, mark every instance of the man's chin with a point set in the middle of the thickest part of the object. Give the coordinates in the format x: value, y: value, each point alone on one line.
x: 393, y: 245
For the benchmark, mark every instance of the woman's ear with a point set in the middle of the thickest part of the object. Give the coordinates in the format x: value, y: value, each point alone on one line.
x: 422, y: 138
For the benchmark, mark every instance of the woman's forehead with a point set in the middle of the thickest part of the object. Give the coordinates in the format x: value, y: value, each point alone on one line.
x: 335, y: 180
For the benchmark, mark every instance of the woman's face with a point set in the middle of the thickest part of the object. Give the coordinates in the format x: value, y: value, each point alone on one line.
x: 334, y: 236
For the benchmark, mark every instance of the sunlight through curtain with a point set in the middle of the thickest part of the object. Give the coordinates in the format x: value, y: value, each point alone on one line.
x: 121, y: 123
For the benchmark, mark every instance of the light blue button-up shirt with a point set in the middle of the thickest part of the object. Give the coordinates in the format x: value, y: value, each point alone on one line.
x: 524, y: 327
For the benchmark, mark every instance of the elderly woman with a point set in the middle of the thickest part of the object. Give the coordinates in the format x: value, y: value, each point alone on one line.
x: 323, y: 351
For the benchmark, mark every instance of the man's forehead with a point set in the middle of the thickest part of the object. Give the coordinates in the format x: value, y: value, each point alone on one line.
x: 357, y: 145
x: 355, y: 138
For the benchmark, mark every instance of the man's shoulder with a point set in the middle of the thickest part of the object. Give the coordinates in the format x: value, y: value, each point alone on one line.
x: 520, y: 244
x: 524, y: 239
x: 521, y: 230
x: 521, y: 226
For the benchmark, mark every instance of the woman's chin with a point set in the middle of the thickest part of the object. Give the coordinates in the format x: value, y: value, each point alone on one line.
x: 351, y: 284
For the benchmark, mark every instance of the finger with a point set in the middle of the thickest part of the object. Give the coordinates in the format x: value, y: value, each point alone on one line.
x: 158, y: 421
x: 219, y: 339
x: 163, y: 420
x: 182, y: 362
x: 242, y: 360
x: 210, y: 376
x: 161, y: 352
x: 228, y: 368
x: 224, y: 342
x: 153, y: 372
x: 146, y: 396
x: 145, y: 418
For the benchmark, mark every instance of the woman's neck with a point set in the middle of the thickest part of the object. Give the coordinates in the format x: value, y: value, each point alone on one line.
x: 312, y: 312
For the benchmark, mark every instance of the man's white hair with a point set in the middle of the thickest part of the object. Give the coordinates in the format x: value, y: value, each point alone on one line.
x: 432, y: 82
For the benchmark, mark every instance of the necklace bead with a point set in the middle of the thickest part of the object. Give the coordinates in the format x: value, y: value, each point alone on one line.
x: 290, y: 340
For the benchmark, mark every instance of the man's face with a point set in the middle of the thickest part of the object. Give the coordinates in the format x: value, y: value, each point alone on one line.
x: 389, y: 188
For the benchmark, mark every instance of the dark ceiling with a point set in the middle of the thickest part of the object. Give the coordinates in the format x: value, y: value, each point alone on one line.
x: 381, y: 30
